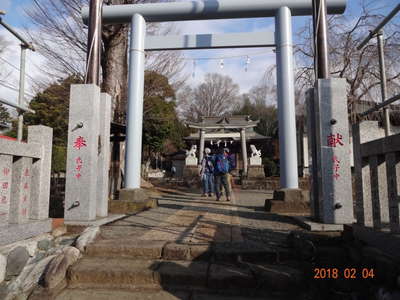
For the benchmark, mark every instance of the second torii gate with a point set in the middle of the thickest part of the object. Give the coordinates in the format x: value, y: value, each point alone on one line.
x: 282, y: 10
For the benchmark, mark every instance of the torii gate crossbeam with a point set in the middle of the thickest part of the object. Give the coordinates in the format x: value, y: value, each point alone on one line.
x: 282, y: 10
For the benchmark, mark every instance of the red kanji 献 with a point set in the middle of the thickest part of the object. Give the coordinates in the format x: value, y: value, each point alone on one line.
x: 78, y: 175
x: 26, y: 172
x: 4, y: 185
x: 79, y: 143
x: 334, y: 139
x: 78, y: 167
x: 26, y: 186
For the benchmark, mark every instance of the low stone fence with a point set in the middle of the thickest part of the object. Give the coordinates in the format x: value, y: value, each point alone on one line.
x: 377, y: 170
x: 25, y: 185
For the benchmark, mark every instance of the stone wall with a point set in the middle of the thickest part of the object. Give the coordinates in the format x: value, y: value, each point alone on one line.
x: 270, y: 183
x: 40, y: 261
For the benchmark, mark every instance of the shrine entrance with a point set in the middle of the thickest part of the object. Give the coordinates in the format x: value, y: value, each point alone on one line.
x: 282, y: 11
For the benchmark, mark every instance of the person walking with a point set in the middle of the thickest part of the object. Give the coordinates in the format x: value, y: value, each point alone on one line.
x: 222, y: 167
x: 207, y: 173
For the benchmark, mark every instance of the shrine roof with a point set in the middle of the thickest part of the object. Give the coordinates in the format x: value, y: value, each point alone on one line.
x: 239, y: 121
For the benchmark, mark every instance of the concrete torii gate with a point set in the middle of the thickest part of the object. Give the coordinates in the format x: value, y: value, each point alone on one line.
x: 282, y: 10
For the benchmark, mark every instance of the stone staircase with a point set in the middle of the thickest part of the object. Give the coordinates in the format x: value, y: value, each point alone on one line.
x: 140, y: 269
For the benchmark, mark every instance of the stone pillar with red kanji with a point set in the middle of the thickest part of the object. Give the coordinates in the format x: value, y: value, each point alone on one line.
x: 20, y: 190
x: 335, y: 204
x: 82, y: 153
x: 5, y: 187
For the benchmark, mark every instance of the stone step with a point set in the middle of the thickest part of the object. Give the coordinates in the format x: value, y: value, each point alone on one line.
x: 118, y: 273
x: 220, y: 252
x: 101, y: 294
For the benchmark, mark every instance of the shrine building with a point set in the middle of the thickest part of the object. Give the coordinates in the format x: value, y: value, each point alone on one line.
x: 233, y: 132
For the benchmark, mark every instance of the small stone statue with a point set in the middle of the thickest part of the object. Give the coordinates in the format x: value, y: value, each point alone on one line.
x: 191, y: 152
x: 254, y: 151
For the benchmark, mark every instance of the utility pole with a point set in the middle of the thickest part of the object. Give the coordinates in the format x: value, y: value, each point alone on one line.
x: 94, y: 43
x: 321, y: 63
x: 382, y: 71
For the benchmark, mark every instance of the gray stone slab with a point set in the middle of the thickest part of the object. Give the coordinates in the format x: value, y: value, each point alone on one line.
x: 20, y: 149
x: 5, y: 187
x: 333, y: 148
x: 82, y: 153
x: 41, y: 172
x: 393, y: 186
x: 16, y: 232
x: 310, y: 225
x: 20, y: 190
x: 380, y: 205
x: 104, y: 155
x: 97, y: 222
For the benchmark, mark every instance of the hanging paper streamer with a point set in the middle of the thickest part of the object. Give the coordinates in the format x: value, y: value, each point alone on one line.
x: 225, y: 143
x: 221, y: 63
x: 194, y: 69
x: 247, y: 63
x: 211, y: 142
x: 231, y: 142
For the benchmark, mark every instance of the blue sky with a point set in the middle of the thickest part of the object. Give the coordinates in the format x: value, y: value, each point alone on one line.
x: 260, y: 58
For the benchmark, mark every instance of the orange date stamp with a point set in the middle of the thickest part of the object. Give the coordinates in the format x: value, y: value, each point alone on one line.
x: 347, y: 273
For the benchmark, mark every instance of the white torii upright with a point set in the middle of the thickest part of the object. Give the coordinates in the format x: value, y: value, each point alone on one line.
x: 282, y: 10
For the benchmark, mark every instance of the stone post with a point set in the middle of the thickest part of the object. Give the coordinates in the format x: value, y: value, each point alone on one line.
x: 103, y: 155
x: 393, y: 185
x: 332, y: 140
x: 41, y: 172
x: 20, y: 190
x: 202, y: 140
x: 312, y: 151
x: 244, y: 150
x: 82, y: 153
x: 5, y: 187
x: 365, y: 211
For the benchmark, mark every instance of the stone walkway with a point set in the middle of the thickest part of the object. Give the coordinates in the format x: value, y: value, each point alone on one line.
x: 190, y: 248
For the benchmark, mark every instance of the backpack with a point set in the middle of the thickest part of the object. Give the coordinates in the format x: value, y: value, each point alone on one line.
x: 222, y: 164
x: 208, y: 164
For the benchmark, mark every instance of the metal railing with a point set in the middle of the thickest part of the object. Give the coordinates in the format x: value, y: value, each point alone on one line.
x: 24, y: 46
x: 378, y: 33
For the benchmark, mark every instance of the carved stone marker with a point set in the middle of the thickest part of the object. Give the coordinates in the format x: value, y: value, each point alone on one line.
x: 335, y: 204
x: 82, y: 156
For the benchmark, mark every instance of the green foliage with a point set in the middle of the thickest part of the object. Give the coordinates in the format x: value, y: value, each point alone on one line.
x: 270, y: 167
x: 5, y: 117
x: 51, y: 109
x: 58, y: 159
x: 160, y: 123
x: 266, y: 114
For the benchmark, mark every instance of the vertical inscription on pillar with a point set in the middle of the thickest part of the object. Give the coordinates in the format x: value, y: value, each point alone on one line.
x: 5, y: 187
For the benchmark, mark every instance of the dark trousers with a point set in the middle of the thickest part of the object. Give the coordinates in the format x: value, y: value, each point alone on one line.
x: 221, y: 179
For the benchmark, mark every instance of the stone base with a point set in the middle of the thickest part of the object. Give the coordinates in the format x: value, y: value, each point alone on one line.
x: 190, y: 172
x: 98, y: 222
x: 17, y: 232
x: 255, y: 172
x: 291, y: 195
x: 134, y: 195
x: 131, y: 207
x: 311, y: 225
x: 282, y: 207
